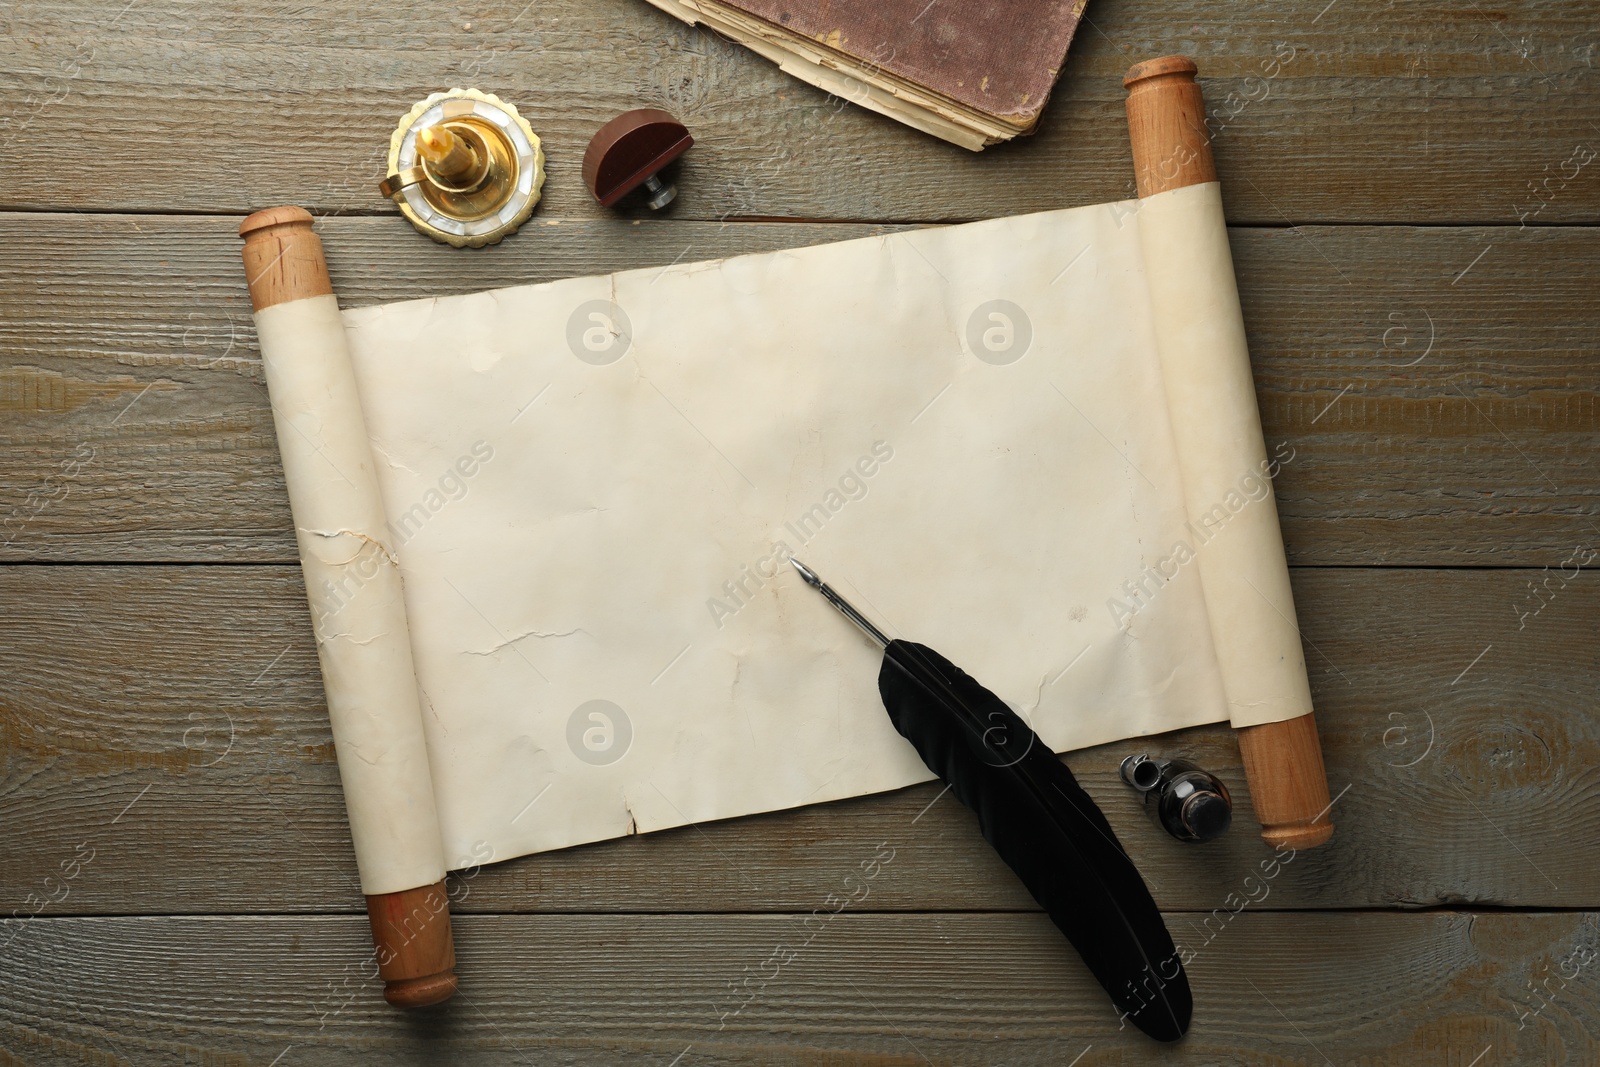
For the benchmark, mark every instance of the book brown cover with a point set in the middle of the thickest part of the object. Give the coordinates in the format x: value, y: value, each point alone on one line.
x: 999, y: 58
x: 971, y: 73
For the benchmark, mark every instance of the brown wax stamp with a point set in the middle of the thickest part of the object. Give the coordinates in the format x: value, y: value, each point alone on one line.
x: 628, y: 153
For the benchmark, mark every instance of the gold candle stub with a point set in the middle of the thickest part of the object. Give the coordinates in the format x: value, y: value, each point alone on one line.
x: 450, y: 158
x: 465, y: 168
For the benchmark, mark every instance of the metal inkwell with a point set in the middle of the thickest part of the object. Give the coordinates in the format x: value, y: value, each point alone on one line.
x: 465, y: 168
x: 1191, y: 804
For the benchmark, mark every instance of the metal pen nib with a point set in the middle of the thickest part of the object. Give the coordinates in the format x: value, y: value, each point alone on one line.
x: 845, y: 607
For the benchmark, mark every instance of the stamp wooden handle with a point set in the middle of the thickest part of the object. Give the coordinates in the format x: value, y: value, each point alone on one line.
x: 1172, y: 149
x: 413, y: 947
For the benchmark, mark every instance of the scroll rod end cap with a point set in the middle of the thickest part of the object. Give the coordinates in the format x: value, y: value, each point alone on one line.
x: 420, y: 992
x: 288, y: 215
x: 1156, y: 68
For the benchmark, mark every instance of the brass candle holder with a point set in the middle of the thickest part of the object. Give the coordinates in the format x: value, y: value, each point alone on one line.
x: 465, y: 168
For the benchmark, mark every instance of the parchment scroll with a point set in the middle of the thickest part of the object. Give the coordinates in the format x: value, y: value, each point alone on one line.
x: 590, y: 487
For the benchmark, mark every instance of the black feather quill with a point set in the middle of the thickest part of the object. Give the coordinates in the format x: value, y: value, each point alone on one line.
x: 1040, y: 821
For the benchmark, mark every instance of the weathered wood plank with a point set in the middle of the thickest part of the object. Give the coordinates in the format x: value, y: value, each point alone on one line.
x: 192, y: 694
x: 1407, y: 112
x: 1432, y: 990
x: 1434, y: 419
x: 163, y: 740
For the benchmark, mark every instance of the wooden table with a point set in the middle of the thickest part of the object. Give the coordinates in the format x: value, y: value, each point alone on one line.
x: 1420, y: 269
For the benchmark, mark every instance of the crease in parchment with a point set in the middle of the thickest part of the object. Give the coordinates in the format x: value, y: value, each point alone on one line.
x: 383, y: 550
x: 514, y: 638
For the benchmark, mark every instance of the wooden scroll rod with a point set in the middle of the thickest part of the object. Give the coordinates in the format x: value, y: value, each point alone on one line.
x: 412, y: 942
x: 1172, y: 149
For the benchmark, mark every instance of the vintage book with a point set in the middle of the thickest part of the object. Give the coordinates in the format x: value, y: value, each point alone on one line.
x: 972, y: 74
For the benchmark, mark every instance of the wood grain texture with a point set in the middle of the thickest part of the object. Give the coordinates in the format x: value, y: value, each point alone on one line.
x: 1430, y: 423
x: 164, y: 748
x: 1410, y: 112
x: 192, y: 694
x: 858, y: 990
